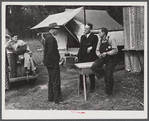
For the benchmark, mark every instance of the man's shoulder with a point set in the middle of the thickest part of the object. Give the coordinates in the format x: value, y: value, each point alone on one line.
x: 112, y: 41
x: 20, y: 42
x: 83, y: 35
x: 110, y: 38
x: 50, y: 39
x: 94, y: 35
x: 49, y: 36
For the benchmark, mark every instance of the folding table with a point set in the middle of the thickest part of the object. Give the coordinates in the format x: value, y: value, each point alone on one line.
x: 83, y: 69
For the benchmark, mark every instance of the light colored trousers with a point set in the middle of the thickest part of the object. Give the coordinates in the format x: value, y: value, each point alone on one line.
x: 28, y: 61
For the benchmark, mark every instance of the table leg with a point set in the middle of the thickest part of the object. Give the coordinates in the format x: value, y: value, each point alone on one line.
x: 84, y: 87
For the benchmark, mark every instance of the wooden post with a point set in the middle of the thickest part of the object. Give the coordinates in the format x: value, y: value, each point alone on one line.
x: 134, y: 36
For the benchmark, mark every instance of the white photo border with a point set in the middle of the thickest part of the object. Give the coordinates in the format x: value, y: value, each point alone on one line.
x: 75, y: 114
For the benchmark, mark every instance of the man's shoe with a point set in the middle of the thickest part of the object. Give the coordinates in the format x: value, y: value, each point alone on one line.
x: 108, y: 94
x: 80, y: 89
x: 61, y: 102
x: 92, y: 90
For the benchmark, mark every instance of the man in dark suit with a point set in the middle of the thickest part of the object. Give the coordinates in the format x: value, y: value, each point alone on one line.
x: 51, y: 61
x: 87, y: 53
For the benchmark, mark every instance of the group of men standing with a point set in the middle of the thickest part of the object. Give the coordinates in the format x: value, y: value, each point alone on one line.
x: 102, y: 51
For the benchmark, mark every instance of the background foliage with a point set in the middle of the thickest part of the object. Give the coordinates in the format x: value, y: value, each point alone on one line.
x: 20, y: 18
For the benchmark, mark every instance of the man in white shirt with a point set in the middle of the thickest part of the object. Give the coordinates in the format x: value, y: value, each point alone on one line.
x: 107, y: 54
x: 20, y: 47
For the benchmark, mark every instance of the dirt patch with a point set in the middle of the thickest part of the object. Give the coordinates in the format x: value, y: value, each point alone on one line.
x: 128, y: 93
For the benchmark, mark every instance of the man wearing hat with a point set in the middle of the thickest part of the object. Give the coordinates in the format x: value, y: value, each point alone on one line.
x: 51, y: 61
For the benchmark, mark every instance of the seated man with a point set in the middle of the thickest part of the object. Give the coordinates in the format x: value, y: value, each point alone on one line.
x: 21, y: 48
x: 106, y: 51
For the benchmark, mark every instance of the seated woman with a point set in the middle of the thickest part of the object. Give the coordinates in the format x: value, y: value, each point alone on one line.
x: 21, y: 48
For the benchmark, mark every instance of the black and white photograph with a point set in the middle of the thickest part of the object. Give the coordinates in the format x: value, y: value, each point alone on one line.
x: 74, y: 60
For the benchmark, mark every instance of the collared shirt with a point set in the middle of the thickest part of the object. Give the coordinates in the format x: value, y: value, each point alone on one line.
x: 52, y: 34
x: 111, y: 42
x: 87, y: 35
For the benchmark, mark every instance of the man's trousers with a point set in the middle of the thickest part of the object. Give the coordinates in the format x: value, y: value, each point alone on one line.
x: 28, y: 62
x: 111, y: 62
x: 54, y: 84
x: 92, y: 81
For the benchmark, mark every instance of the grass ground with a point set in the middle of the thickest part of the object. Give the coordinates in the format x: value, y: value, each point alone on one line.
x: 128, y: 90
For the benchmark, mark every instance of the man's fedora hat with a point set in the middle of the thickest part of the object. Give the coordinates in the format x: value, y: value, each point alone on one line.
x: 53, y: 26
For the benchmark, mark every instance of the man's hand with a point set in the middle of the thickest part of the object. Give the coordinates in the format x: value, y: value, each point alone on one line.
x: 76, y: 59
x: 99, y: 56
x: 103, y: 54
x: 89, y: 49
x: 9, y: 43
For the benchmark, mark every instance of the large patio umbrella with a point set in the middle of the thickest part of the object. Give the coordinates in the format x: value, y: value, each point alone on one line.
x: 61, y: 19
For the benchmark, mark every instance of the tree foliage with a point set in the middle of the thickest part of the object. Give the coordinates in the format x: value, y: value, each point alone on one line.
x: 20, y: 18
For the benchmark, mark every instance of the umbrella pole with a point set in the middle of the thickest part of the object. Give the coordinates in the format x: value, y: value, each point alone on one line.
x: 84, y: 16
x: 71, y: 33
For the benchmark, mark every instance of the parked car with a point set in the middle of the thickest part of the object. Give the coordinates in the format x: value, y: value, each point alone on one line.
x: 18, y: 72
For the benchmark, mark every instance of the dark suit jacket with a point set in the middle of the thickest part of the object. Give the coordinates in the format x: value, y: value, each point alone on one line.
x: 51, y: 53
x: 91, y: 41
